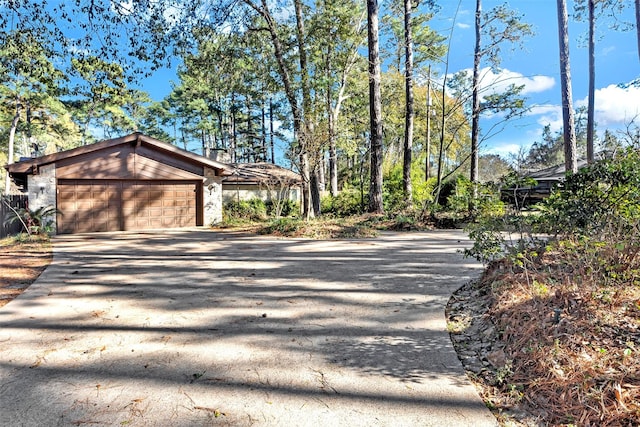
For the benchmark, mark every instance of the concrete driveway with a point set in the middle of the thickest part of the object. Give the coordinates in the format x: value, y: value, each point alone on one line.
x: 192, y: 327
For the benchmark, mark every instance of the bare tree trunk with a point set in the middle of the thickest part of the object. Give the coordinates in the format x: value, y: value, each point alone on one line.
x: 475, y: 109
x: 333, y: 155
x: 375, y: 109
x: 248, y: 146
x: 273, y: 156
x: 285, y: 75
x: 307, y: 127
x: 592, y: 82
x: 409, y: 113
x: 12, y: 138
x: 205, y: 145
x: 427, y: 162
x: 322, y: 179
x: 315, y: 192
x: 570, y: 159
x: 638, y: 25
x: 263, y: 139
x: 234, y: 132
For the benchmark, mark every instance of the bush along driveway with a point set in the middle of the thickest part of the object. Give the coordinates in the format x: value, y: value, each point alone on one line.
x: 188, y: 327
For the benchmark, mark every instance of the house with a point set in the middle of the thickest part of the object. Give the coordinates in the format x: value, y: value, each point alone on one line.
x: 546, y: 180
x: 264, y: 181
x: 130, y: 183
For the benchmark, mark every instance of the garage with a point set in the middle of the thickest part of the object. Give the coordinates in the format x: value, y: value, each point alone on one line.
x: 102, y: 205
x: 130, y: 183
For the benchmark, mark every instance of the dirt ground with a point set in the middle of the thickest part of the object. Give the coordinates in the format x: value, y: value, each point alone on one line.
x: 21, y: 262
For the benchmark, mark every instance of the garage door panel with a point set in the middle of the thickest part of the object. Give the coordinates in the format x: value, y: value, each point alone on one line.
x: 125, y: 205
x: 140, y: 204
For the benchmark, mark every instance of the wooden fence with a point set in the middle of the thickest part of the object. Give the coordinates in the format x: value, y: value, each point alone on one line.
x: 16, y: 202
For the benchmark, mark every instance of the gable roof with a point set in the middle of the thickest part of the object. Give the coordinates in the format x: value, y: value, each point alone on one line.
x: 261, y: 173
x: 554, y: 173
x: 30, y: 166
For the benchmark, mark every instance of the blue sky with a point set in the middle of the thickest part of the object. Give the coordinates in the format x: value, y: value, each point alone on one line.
x: 536, y: 65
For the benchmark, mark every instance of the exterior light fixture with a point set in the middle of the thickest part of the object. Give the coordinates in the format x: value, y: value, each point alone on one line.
x: 42, y: 186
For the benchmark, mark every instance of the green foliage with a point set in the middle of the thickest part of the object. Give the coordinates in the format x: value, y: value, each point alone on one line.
x: 593, y: 221
x: 283, y: 226
x: 404, y: 222
x: 608, y: 261
x: 489, y: 203
x: 245, y: 210
x: 394, y: 191
x: 458, y: 193
x: 497, y: 235
x: 607, y: 192
x: 346, y: 203
x: 287, y: 207
x: 36, y: 221
x: 512, y: 184
x: 257, y: 210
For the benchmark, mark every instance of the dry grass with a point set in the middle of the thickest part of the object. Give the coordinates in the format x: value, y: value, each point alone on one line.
x: 327, y: 227
x: 573, y: 347
x: 22, y: 260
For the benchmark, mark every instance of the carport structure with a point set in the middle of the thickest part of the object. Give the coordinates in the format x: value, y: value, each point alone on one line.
x: 130, y: 183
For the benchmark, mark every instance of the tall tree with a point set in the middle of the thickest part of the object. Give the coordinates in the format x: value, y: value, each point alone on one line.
x: 375, y: 109
x: 307, y: 131
x: 502, y: 25
x: 592, y: 81
x: 301, y: 130
x: 475, y: 109
x: 409, y: 114
x: 594, y: 8
x: 29, y: 80
x: 337, y: 33
x: 570, y: 156
x: 638, y: 25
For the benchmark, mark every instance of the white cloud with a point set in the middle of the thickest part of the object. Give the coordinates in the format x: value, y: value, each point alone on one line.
x: 549, y: 115
x: 503, y: 150
x: 615, y: 106
x: 124, y: 8
x: 491, y: 82
x: 463, y: 26
x: 607, y: 50
x: 170, y: 13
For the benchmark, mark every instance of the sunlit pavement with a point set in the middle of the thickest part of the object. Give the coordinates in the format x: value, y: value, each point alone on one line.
x: 194, y: 327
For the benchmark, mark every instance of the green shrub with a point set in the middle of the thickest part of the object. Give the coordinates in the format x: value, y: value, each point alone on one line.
x: 496, y: 236
x: 590, y: 200
x: 458, y: 192
x: 247, y: 210
x: 346, y: 203
x: 36, y: 221
x: 393, y: 187
x: 283, y: 226
x: 287, y: 207
x: 594, y: 219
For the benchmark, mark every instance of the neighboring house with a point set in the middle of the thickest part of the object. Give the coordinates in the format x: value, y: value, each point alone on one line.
x: 130, y: 183
x: 264, y: 181
x: 546, y: 180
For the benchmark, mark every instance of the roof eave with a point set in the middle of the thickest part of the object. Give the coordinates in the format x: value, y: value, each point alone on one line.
x: 30, y: 165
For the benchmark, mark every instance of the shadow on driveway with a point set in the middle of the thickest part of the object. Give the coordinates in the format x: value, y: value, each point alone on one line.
x: 192, y: 327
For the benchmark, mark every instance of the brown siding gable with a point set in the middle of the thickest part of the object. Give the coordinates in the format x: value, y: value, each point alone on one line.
x: 136, y: 139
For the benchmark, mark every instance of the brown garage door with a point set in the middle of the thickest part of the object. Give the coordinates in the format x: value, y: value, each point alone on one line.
x: 102, y: 205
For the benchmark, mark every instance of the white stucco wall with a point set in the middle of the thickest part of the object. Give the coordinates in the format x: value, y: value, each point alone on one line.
x: 212, y: 197
x: 232, y: 192
x: 42, y: 190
